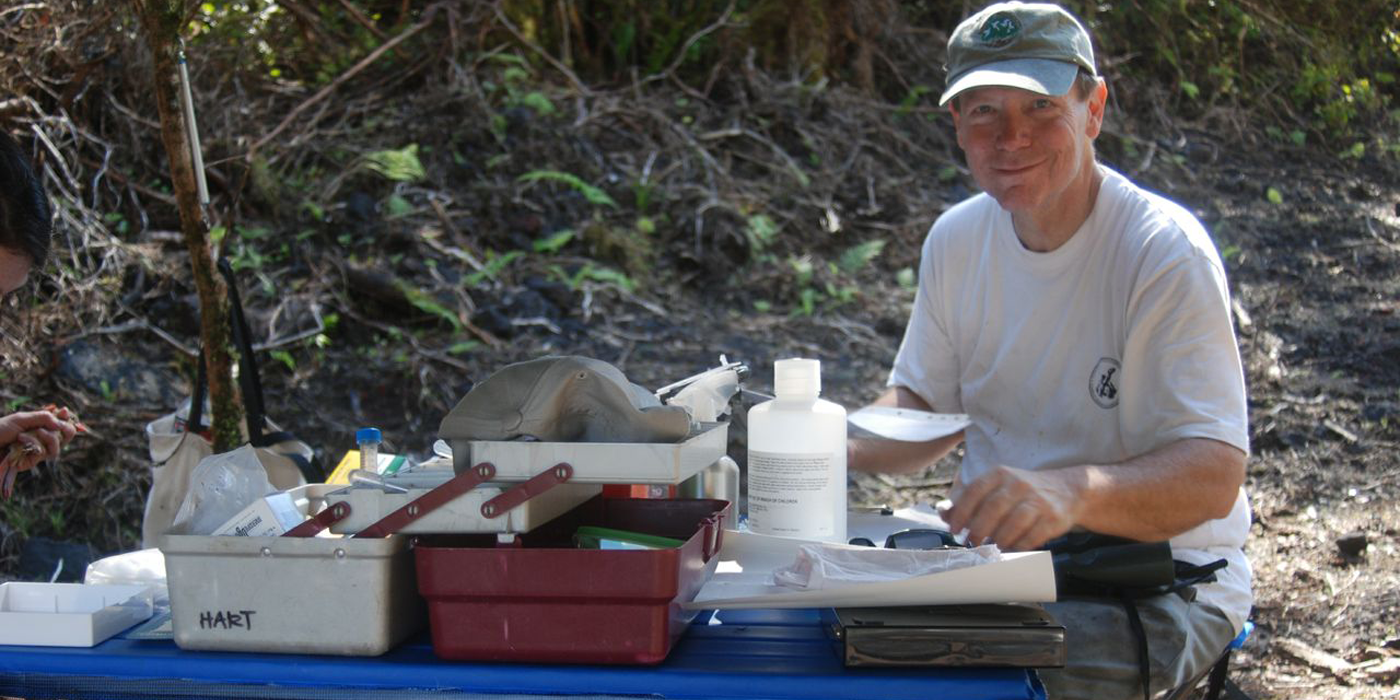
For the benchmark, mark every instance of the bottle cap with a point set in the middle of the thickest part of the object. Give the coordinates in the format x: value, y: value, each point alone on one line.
x: 368, y: 435
x: 797, y: 377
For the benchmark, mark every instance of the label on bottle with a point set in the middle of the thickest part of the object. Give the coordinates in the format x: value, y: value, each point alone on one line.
x: 789, y: 494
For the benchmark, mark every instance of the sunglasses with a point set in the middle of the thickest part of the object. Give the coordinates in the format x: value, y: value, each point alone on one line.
x: 917, y: 538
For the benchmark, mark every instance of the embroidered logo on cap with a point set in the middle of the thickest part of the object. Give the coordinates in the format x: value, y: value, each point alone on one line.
x: 999, y: 30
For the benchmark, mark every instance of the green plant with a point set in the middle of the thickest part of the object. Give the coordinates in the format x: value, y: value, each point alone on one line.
x: 911, y: 100
x: 641, y: 196
x: 400, y: 165
x: 589, y: 192
x: 117, y: 222
x: 554, y: 241
x: 462, y: 347
x: 588, y: 271
x: 906, y: 278
x: 859, y: 255
x: 252, y: 247
x: 1333, y: 64
x: 514, y: 81
x: 491, y: 267
x: 285, y: 358
x: 759, y: 231
x: 396, y: 207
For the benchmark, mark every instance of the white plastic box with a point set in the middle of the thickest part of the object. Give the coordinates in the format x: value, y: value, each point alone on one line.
x: 69, y: 614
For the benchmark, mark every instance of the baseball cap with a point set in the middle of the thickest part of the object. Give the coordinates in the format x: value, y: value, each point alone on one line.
x: 1033, y: 46
x: 563, y: 399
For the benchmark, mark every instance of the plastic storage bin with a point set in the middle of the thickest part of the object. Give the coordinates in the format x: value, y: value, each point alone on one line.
x: 291, y: 595
x: 547, y: 601
x: 294, y: 595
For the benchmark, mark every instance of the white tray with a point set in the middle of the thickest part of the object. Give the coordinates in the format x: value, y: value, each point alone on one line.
x: 69, y: 614
x: 599, y: 462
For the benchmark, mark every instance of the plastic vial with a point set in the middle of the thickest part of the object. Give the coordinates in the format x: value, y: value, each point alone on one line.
x: 797, y: 458
x: 368, y: 440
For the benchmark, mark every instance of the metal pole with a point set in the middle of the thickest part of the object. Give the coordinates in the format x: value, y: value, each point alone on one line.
x: 192, y: 129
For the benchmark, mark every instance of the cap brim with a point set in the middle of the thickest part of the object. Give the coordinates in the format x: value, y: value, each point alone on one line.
x: 1039, y: 75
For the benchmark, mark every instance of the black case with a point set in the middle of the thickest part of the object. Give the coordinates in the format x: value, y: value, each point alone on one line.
x: 1005, y: 635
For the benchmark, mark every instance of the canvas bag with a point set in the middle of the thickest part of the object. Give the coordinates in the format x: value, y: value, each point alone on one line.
x: 176, y: 448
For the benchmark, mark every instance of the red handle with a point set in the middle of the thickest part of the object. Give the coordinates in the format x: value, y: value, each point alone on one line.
x: 327, y: 517
x: 430, y: 501
x: 527, y: 489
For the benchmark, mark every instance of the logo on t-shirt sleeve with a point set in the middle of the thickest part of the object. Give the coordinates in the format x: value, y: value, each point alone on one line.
x: 1103, y: 383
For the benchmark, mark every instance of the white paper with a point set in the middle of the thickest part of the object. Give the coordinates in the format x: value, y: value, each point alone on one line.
x: 743, y: 579
x: 907, y: 424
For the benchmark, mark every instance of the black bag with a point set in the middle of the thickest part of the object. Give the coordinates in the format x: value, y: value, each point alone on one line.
x: 177, y: 445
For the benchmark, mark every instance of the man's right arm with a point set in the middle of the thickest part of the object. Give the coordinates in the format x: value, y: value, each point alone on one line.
x: 880, y: 455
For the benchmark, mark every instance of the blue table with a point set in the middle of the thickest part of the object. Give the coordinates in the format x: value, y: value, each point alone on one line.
x: 777, y: 654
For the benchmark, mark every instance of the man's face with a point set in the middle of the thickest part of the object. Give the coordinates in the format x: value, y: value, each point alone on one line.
x: 1027, y: 150
x: 14, y: 270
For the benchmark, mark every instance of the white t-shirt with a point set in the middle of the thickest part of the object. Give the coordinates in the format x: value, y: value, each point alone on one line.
x: 1114, y: 344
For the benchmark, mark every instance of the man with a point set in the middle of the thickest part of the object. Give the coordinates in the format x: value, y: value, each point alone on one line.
x: 32, y: 436
x: 1083, y: 324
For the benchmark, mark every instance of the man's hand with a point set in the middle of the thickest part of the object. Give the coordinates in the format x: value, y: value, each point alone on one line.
x: 1151, y: 497
x: 875, y: 454
x: 1017, y: 509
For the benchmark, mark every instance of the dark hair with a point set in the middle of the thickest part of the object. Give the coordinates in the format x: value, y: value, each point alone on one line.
x: 24, y: 210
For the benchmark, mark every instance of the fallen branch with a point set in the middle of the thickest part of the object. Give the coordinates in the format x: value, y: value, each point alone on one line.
x: 1371, y: 228
x: 1314, y: 658
x: 354, y: 70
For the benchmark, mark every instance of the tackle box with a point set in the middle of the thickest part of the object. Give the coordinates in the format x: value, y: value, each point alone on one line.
x: 292, y: 594
x: 543, y: 600
x: 356, y: 594
x: 517, y: 463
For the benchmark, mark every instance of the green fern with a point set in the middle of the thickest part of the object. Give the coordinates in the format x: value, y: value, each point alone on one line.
x: 589, y: 192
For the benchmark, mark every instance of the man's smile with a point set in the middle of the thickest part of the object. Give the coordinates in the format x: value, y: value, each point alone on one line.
x: 1015, y: 169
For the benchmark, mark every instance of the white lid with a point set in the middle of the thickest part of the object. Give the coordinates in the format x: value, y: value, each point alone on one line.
x: 797, y: 377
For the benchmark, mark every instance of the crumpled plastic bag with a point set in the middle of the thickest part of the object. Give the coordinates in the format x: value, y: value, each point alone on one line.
x: 141, y: 567
x: 221, y: 486
x: 823, y: 566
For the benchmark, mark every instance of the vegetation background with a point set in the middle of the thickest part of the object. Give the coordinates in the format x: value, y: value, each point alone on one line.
x: 414, y: 194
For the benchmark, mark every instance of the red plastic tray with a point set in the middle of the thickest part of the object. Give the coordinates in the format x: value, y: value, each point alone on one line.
x: 545, y: 601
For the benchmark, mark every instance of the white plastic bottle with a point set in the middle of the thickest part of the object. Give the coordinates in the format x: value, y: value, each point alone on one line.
x: 797, y: 458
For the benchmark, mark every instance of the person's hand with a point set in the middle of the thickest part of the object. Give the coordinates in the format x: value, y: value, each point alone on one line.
x: 1017, y: 509
x: 30, y: 437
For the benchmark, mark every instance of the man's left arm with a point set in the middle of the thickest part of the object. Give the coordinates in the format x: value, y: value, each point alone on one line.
x: 1151, y: 497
